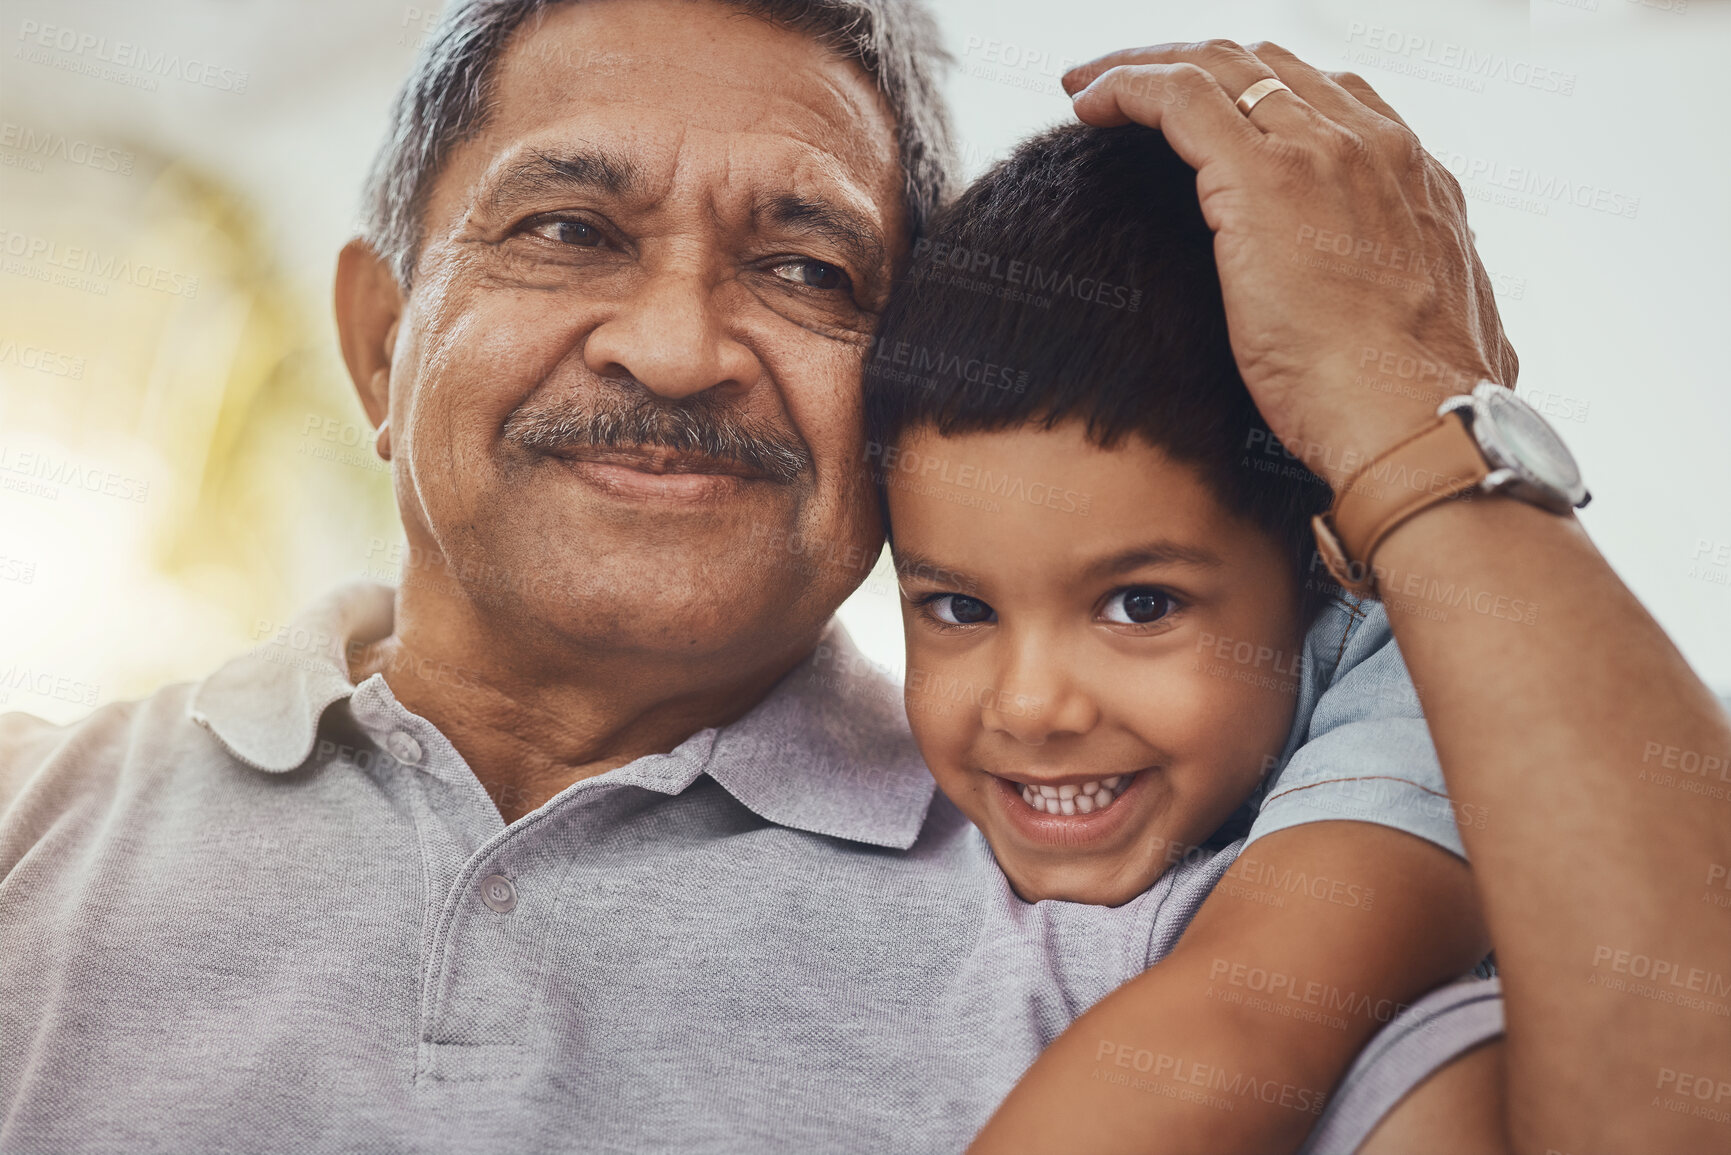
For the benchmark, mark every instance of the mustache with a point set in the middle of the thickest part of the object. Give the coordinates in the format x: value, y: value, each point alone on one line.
x: 629, y: 416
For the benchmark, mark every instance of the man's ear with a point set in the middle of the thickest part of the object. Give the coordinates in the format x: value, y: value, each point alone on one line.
x: 369, y: 304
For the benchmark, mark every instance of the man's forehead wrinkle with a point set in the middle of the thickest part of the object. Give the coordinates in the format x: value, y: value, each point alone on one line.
x: 802, y: 116
x: 814, y: 179
x: 846, y: 144
x: 809, y: 96
x: 811, y: 116
x: 865, y: 107
x: 824, y: 110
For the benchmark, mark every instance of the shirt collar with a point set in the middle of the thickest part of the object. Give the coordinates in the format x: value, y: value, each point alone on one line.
x: 827, y: 751
x: 264, y: 706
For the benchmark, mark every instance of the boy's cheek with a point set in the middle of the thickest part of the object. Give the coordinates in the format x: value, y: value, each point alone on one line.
x: 942, y: 727
x: 1239, y: 703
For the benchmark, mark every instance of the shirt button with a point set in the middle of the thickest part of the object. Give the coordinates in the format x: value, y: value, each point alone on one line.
x: 498, y: 893
x: 404, y: 748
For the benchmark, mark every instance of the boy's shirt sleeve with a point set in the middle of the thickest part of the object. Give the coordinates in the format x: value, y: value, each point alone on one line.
x: 1359, y: 747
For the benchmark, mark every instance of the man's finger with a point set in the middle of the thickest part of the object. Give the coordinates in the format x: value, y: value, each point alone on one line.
x: 1236, y: 69
x: 1321, y: 92
x: 1085, y: 74
x: 1183, y: 101
x: 1359, y: 87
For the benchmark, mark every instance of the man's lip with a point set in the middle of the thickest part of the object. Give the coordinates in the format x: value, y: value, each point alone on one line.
x: 661, y: 461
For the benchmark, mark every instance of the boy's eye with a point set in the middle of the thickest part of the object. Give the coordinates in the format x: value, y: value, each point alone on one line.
x: 960, y: 610
x: 1137, y: 606
x: 812, y: 274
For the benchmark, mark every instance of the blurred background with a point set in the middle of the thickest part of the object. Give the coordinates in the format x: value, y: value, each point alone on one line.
x: 183, y: 464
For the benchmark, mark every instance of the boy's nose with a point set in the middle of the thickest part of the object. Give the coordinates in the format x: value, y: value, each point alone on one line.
x: 1037, y: 697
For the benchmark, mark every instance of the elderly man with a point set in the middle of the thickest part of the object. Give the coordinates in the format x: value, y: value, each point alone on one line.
x: 590, y: 835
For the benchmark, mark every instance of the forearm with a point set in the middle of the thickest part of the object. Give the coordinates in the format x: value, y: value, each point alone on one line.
x: 1234, y: 1041
x: 1133, y: 1077
x: 1569, y: 733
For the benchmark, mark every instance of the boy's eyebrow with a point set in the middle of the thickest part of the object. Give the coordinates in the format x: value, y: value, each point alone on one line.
x: 910, y: 563
x: 1155, y: 553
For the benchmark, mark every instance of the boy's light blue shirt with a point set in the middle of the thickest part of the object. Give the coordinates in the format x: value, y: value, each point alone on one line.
x: 1359, y: 747
x: 278, y: 912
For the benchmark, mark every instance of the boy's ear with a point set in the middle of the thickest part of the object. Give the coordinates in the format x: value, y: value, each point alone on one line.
x: 369, y: 306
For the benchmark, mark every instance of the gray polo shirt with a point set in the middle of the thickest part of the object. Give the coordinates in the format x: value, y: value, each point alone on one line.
x: 278, y: 912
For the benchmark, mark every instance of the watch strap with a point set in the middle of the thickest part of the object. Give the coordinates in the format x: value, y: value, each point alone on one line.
x: 1439, y: 462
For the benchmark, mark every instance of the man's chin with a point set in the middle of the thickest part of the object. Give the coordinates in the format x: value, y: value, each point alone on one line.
x: 646, y: 597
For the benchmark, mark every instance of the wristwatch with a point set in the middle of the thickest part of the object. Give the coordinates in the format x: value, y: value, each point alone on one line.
x: 1485, y: 442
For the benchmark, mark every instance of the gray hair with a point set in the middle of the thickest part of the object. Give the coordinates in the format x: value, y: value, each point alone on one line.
x: 445, y: 100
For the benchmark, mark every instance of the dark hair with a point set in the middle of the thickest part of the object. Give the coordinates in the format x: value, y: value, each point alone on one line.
x: 1076, y: 280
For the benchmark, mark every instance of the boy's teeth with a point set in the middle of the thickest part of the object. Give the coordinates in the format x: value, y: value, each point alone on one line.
x: 1075, y: 799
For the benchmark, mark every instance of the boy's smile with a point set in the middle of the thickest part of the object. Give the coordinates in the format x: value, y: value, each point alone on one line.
x: 1076, y: 798
x: 1059, y: 682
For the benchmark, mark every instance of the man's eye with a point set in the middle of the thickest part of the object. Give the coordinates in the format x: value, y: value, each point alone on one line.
x: 1137, y: 606
x: 812, y: 274
x: 960, y: 610
x: 570, y: 232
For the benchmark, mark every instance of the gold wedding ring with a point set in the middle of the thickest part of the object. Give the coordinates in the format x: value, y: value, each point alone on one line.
x: 1254, y: 94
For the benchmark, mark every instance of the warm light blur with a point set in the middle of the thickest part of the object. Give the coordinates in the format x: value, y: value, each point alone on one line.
x: 183, y: 465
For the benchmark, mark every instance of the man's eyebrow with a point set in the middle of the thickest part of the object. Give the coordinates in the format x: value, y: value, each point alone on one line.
x: 841, y: 226
x: 1155, y: 553
x: 569, y: 170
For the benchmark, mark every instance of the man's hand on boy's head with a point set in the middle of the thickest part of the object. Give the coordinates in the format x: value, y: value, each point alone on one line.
x: 1355, y: 299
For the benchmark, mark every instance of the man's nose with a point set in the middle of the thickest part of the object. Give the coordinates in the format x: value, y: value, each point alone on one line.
x: 671, y: 335
x: 1037, y: 695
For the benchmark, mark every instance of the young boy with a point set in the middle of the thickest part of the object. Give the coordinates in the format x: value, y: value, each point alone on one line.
x: 1097, y: 536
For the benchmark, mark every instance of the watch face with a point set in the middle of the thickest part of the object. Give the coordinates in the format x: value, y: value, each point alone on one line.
x: 1531, y: 445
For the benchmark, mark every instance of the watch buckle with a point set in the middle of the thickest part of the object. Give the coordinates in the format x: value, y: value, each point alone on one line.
x: 1498, y: 479
x: 1340, y: 567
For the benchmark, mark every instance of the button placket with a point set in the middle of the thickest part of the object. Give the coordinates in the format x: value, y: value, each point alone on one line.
x: 474, y: 975
x: 498, y: 893
x: 402, y: 746
x: 486, y: 965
